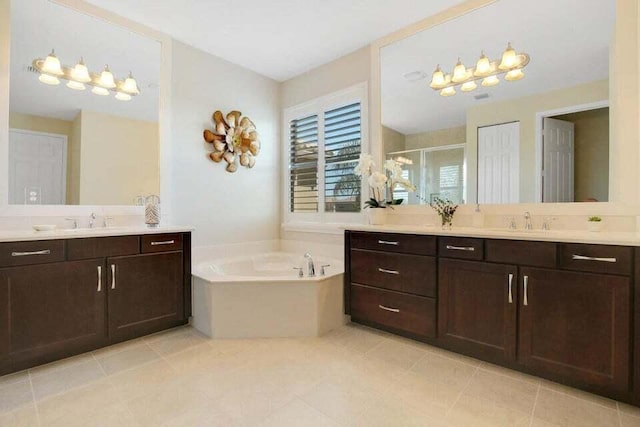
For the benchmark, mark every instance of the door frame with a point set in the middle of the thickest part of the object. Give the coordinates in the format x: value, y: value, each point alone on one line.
x: 540, y: 116
x: 478, y: 154
x: 65, y: 142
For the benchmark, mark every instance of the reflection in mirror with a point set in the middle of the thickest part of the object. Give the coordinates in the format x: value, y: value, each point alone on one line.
x: 540, y: 134
x: 75, y: 136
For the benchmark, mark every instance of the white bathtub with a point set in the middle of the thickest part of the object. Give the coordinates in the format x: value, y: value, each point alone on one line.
x: 261, y: 295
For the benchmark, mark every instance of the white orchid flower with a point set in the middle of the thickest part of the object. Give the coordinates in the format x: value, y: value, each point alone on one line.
x: 377, y: 180
x: 364, y: 165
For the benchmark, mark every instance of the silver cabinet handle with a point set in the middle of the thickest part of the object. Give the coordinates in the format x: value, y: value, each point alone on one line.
x: 393, y: 310
x: 113, y: 276
x: 461, y: 248
x: 99, y: 278
x: 384, y: 270
x: 387, y: 242
x: 166, y: 242
x: 589, y: 258
x: 510, y: 288
x: 43, y: 252
x: 525, y: 299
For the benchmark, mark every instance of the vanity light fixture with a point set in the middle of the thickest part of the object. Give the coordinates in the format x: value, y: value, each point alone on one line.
x: 78, y: 76
x: 511, y: 64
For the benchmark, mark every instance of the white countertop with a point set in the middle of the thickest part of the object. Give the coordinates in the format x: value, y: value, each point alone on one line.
x: 570, y: 236
x: 26, y: 235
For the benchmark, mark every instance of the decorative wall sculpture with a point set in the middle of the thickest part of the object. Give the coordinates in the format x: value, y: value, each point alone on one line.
x: 235, y: 140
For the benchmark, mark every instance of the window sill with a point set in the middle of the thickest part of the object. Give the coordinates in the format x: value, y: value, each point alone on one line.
x: 315, y: 227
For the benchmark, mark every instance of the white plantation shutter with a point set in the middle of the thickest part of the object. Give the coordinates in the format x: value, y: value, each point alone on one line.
x: 303, y: 164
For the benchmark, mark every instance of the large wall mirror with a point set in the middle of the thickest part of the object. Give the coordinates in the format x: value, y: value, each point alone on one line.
x: 533, y: 127
x: 73, y: 141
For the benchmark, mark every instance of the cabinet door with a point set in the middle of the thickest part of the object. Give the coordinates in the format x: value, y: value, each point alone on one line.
x: 576, y: 327
x: 52, y: 311
x: 477, y: 307
x: 145, y: 294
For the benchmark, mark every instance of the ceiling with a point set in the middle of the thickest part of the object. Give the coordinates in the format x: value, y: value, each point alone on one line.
x: 568, y: 42
x: 276, y: 38
x: 37, y: 26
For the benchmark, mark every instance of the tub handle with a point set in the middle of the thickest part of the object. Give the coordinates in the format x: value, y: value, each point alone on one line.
x: 322, y: 272
x: 300, y: 273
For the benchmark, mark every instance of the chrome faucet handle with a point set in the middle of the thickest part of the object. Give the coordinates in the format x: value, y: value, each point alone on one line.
x: 512, y: 223
x: 546, y: 223
x: 300, y: 274
x: 105, y: 221
x: 75, y: 222
x: 92, y: 219
x: 527, y: 221
x: 322, y: 268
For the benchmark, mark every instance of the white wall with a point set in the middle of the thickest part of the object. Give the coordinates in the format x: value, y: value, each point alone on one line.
x: 223, y: 207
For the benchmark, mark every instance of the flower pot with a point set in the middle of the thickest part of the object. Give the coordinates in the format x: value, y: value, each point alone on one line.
x: 594, y: 225
x: 377, y: 216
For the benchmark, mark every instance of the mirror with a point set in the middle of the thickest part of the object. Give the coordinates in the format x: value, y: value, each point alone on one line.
x: 541, y: 134
x: 96, y: 146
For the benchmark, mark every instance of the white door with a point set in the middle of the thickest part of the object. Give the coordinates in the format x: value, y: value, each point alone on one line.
x: 37, y: 168
x: 499, y: 163
x: 558, y: 161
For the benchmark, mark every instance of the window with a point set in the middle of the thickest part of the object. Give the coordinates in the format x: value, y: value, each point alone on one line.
x: 323, y: 143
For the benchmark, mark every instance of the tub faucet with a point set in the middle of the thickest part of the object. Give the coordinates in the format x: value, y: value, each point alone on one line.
x: 311, y: 270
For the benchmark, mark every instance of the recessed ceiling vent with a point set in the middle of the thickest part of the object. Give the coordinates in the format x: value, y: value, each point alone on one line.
x: 31, y: 69
x: 481, y: 96
x: 414, y: 76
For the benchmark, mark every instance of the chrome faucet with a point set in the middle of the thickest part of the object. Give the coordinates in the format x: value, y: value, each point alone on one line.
x: 73, y: 221
x: 92, y: 219
x: 527, y: 221
x: 311, y: 269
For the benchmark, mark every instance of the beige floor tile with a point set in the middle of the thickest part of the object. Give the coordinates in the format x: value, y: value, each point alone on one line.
x: 629, y: 409
x: 391, y: 413
x: 69, y: 362
x: 500, y: 370
x: 55, y: 381
x: 443, y: 370
x: 137, y: 382
x: 627, y: 420
x: 15, y: 396
x: 502, y: 391
x: 298, y: 413
x: 358, y: 339
x: 176, y: 340
x: 562, y: 409
x: 431, y: 398
x: 396, y: 353
x: 128, y: 358
x: 117, y: 348
x: 26, y: 416
x: 16, y: 377
x: 476, y: 411
x: 580, y: 394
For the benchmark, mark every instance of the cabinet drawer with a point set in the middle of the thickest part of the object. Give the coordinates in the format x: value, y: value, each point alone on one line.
x: 161, y: 242
x: 412, y: 274
x: 102, y: 247
x: 461, y: 247
x: 37, y: 252
x: 535, y: 254
x: 409, y: 313
x: 596, y: 258
x: 388, y: 242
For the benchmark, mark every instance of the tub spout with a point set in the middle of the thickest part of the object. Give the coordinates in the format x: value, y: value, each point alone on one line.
x: 311, y: 269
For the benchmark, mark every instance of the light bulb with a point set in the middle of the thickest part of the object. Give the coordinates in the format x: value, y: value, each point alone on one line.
x: 75, y: 85
x: 52, y: 65
x: 438, y: 80
x: 121, y: 96
x: 130, y: 85
x: 106, y: 79
x: 80, y: 72
x: 100, y: 91
x: 468, y: 86
x: 509, y: 59
x: 483, y: 66
x: 49, y: 80
x: 448, y: 91
x: 514, y: 75
x: 459, y: 72
x: 490, y: 81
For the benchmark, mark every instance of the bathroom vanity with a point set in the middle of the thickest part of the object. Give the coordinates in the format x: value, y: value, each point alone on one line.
x: 65, y: 293
x: 556, y: 307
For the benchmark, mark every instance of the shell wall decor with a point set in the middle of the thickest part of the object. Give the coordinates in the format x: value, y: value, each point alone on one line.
x: 235, y: 140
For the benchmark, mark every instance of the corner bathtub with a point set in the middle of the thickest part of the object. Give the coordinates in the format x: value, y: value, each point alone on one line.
x: 256, y: 296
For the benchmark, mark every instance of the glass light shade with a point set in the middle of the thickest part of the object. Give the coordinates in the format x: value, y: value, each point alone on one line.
x: 459, y: 72
x: 100, y: 91
x: 75, y: 85
x: 509, y: 59
x: 52, y: 65
x: 49, y: 80
x: 483, y: 66
x: 448, y: 91
x: 130, y: 85
x: 490, y: 81
x: 80, y: 73
x: 514, y: 75
x: 468, y: 86
x: 106, y: 79
x: 438, y: 79
x: 121, y: 96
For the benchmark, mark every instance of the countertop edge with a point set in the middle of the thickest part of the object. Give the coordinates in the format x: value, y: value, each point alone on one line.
x: 32, y: 235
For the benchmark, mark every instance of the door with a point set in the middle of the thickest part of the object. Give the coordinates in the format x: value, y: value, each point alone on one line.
x: 477, y: 306
x: 52, y: 310
x: 499, y: 163
x: 576, y: 326
x: 37, y: 168
x: 558, y: 161
x: 145, y: 294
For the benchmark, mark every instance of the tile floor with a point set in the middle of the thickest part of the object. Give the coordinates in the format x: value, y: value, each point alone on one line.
x: 352, y: 377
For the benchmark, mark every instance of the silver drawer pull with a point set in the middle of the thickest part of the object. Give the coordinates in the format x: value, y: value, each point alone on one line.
x: 388, y: 242
x: 99, y: 278
x: 384, y: 270
x: 461, y: 248
x: 525, y: 298
x: 44, y: 252
x: 589, y: 258
x: 113, y: 276
x: 393, y: 310
x: 166, y: 242
x: 510, y: 288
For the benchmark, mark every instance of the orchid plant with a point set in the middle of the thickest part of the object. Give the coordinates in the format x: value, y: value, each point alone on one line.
x: 382, y: 182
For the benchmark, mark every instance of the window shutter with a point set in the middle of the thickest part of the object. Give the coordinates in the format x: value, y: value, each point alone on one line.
x: 342, y: 146
x: 303, y: 164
